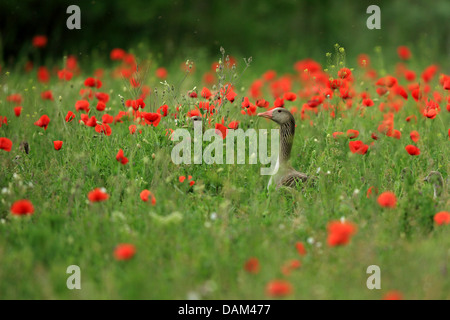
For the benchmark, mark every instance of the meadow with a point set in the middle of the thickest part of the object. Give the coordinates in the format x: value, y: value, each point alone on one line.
x: 140, y: 227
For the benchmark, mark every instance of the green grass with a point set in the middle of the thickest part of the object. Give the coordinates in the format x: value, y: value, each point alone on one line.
x: 198, y: 255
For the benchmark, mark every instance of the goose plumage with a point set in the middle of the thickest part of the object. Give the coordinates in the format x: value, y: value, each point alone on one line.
x: 286, y: 175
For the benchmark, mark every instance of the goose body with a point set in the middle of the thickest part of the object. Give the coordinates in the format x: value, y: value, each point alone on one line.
x: 285, y: 175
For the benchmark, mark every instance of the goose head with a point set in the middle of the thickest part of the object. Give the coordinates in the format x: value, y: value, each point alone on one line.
x: 279, y: 115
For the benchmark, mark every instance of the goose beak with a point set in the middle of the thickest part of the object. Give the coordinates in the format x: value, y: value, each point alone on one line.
x: 267, y: 114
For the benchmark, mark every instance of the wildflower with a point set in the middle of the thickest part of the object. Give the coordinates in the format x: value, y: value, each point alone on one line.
x: 233, y: 125
x: 103, y: 128
x: 121, y: 158
x: 43, y: 122
x: 132, y: 128
x: 145, y: 194
x: 404, y: 53
x: 206, y: 93
x: 358, y: 147
x: 57, y: 144
x: 82, y: 105
x: 414, y: 135
x: 152, y: 118
x: 412, y: 150
x: 101, y: 106
x: 344, y: 73
x: 5, y: 144
x: 442, y: 218
x: 124, y: 251
x: 393, y: 295
x: 290, y: 96
x: 252, y: 265
x: 117, y: 54
x: 65, y: 75
x: 300, y: 248
x: 39, y: 41
x: 17, y: 111
x: 161, y: 73
x: 368, y: 102
x: 43, y: 75
x: 339, y: 233
x: 47, y: 95
x: 387, y: 199
x: 97, y: 195
x: 221, y: 130
x: 22, y: 207
x: 181, y: 178
x: 370, y: 191
x: 278, y: 288
x: 107, y: 118
x: 352, y: 134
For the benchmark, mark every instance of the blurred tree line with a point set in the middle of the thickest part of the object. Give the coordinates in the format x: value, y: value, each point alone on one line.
x: 310, y: 27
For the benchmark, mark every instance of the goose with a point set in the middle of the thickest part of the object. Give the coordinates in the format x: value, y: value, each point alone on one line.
x: 286, y: 175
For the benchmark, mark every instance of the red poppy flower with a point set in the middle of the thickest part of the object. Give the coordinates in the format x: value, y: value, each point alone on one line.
x: 387, y: 199
x: 300, y: 248
x: 103, y: 97
x: 103, y: 128
x: 337, y: 134
x: 414, y: 135
x: 43, y: 122
x: 65, y: 75
x: 145, y: 194
x: 404, y: 53
x: 181, y: 178
x: 22, y: 207
x: 43, y: 75
x: 393, y: 295
x: 82, y: 105
x: 39, y: 41
x: 91, y: 122
x: 57, y: 145
x: 278, y: 103
x: 163, y: 110
x: 132, y: 128
x: 252, y: 265
x: 344, y: 73
x: 17, y: 111
x: 290, y: 96
x: 47, y: 95
x: 121, y: 158
x: 358, y: 147
x: 3, y: 120
x: 5, y: 144
x: 278, y: 288
x: 91, y: 82
x: 370, y: 191
x: 442, y: 218
x: 124, y: 251
x: 100, y: 106
x: 97, y: 195
x: 221, y: 129
x: 15, y: 98
x: 352, y: 134
x: 206, y: 93
x: 367, y: 102
x: 233, y: 125
x: 191, y: 183
x: 412, y: 150
x: 161, y: 73
x: 262, y: 103
x: 231, y: 95
x: 107, y: 118
x: 339, y: 233
x: 117, y: 54
x: 152, y: 118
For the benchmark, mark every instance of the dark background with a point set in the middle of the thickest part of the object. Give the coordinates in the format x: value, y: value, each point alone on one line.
x: 173, y: 28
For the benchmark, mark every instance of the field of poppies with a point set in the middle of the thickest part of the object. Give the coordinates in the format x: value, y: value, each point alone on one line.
x: 87, y: 179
